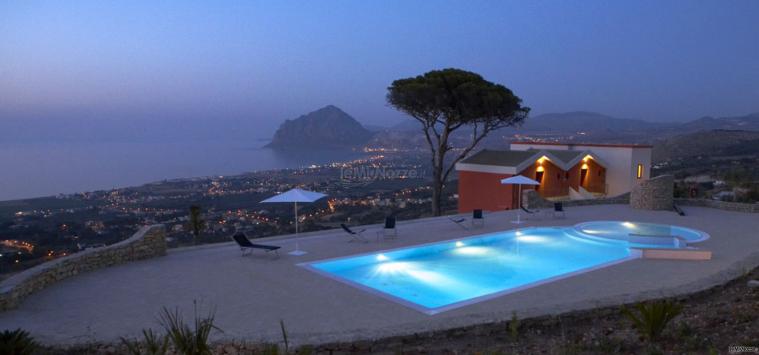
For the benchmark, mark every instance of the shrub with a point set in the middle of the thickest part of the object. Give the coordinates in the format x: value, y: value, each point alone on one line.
x: 187, y: 340
x: 17, y: 342
x: 153, y: 344
x: 514, y: 326
x: 652, y: 318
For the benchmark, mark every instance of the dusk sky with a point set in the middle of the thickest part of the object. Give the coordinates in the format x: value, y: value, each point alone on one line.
x: 269, y: 61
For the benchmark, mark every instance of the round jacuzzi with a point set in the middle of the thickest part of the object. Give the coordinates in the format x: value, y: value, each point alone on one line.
x: 643, y: 234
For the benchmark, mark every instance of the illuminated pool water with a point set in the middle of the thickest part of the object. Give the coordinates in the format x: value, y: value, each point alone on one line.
x: 437, y: 277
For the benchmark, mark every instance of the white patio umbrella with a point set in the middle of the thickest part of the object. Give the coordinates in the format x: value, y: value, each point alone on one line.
x: 295, y: 196
x: 519, y: 180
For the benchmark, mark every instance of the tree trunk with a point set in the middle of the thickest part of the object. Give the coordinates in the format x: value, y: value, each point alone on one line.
x: 437, y: 183
x: 437, y: 191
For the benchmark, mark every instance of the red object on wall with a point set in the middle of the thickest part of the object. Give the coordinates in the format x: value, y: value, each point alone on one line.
x: 485, y: 191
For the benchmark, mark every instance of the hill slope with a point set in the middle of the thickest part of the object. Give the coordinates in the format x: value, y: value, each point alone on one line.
x: 594, y: 127
x: 707, y: 143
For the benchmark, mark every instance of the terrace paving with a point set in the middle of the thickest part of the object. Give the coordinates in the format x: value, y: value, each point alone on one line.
x: 253, y: 293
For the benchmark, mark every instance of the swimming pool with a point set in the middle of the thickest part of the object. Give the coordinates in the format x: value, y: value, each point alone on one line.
x: 440, y: 276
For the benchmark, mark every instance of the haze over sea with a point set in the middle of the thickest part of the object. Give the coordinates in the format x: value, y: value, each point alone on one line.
x: 43, y: 169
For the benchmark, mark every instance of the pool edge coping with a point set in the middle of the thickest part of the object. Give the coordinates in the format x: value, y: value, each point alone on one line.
x: 634, y: 254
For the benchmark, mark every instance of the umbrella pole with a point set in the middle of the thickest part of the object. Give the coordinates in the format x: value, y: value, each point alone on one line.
x: 519, y: 202
x: 297, y: 250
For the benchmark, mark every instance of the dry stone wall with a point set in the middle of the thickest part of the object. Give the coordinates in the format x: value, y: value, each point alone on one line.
x: 722, y: 205
x: 148, y: 242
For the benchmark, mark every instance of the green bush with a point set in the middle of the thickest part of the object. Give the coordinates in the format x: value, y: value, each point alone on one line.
x: 189, y: 340
x: 16, y: 342
x: 651, y: 318
x: 152, y: 343
x: 514, y: 325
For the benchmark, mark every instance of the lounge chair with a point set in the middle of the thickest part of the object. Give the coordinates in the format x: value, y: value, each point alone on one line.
x: 390, y: 231
x: 355, y: 235
x: 558, y: 208
x: 246, y: 246
x: 477, y: 218
x: 459, y: 222
x: 678, y: 210
x: 530, y: 213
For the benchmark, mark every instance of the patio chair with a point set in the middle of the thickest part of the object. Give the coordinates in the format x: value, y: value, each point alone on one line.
x: 558, y: 209
x: 477, y: 218
x: 246, y: 246
x: 390, y: 230
x: 355, y: 235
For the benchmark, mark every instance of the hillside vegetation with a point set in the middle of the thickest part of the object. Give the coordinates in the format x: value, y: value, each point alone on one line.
x: 727, y: 143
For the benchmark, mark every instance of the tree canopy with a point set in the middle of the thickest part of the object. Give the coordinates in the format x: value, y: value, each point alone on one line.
x: 448, y: 99
x: 458, y: 96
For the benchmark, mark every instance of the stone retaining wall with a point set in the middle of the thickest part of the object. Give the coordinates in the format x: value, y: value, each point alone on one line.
x: 722, y: 205
x: 148, y: 242
x: 654, y: 194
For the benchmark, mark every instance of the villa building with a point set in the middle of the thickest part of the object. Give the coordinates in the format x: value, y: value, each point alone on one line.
x: 564, y: 171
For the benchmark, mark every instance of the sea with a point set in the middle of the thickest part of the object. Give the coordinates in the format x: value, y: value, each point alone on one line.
x: 30, y: 170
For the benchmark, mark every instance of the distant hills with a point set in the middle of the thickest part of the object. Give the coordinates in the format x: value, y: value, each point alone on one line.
x: 707, y: 143
x: 678, y: 143
x: 748, y: 122
x: 326, y: 128
x: 594, y: 127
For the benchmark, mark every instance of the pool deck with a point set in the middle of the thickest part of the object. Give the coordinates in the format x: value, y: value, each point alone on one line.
x: 252, y: 294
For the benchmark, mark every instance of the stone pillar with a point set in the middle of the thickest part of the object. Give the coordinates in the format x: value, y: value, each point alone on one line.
x: 654, y: 194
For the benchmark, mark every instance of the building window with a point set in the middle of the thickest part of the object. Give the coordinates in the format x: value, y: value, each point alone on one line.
x: 639, y: 173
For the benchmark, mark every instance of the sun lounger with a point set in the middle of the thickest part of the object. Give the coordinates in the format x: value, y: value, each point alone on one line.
x: 531, y: 213
x: 246, y: 246
x: 678, y: 210
x: 355, y: 235
x: 459, y: 222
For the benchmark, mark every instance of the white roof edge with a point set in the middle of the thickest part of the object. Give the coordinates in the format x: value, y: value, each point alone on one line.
x: 585, y: 153
x: 529, y: 161
x: 478, y: 168
x: 497, y: 169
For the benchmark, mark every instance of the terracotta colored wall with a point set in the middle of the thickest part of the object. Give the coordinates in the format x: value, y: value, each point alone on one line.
x: 595, y: 181
x: 484, y: 191
x: 554, y: 182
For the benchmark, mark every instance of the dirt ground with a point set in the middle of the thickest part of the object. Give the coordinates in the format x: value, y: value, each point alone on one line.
x: 711, y: 322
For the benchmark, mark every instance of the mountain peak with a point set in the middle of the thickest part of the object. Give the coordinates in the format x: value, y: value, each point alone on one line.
x: 326, y: 128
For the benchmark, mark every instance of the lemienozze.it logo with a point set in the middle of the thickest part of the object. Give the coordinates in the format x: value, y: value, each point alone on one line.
x: 364, y: 175
x: 740, y: 349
